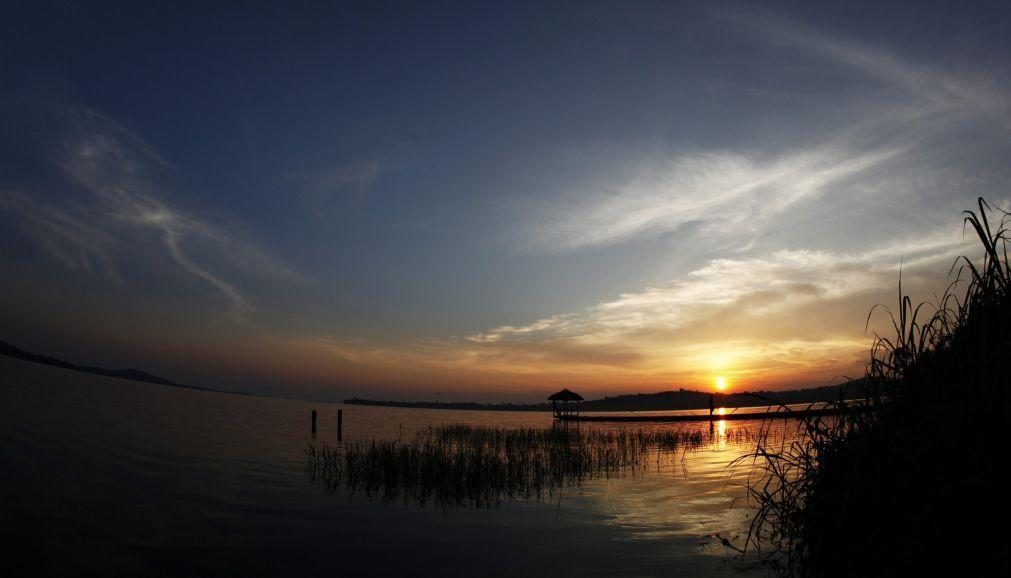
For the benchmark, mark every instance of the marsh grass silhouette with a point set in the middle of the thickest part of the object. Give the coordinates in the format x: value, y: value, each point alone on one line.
x: 913, y: 487
x: 460, y: 465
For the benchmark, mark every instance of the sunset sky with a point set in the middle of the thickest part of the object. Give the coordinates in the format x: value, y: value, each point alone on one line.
x: 488, y: 202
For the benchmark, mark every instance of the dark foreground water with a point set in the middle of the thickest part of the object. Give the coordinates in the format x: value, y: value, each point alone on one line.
x: 109, y: 477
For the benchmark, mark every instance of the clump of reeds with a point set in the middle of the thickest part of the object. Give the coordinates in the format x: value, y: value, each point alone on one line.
x: 481, y: 466
x: 913, y: 486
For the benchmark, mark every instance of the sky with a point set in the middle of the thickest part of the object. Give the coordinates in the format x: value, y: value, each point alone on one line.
x: 470, y: 201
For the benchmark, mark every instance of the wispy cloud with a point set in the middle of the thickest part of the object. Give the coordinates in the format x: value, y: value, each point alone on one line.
x: 943, y: 91
x: 65, y: 233
x: 778, y: 310
x: 732, y: 191
x: 124, y: 201
x: 721, y: 189
x: 735, y: 315
x: 754, y: 286
x: 791, y: 317
x: 120, y: 170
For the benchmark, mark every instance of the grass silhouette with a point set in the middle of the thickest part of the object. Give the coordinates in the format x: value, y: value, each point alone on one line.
x: 914, y: 486
x: 460, y: 465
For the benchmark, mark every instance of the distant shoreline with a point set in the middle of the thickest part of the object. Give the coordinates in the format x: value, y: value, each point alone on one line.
x: 682, y: 399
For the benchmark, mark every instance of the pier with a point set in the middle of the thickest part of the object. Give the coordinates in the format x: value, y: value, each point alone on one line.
x: 730, y: 416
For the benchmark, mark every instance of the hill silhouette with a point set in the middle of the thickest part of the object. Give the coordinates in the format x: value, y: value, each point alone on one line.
x: 132, y: 374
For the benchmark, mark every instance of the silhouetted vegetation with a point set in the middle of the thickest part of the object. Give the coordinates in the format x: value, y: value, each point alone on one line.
x: 460, y: 465
x: 915, y: 487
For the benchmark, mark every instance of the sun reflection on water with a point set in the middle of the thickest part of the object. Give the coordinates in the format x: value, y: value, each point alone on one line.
x: 718, y: 430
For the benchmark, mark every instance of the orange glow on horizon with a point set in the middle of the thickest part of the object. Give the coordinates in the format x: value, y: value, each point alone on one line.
x: 493, y: 371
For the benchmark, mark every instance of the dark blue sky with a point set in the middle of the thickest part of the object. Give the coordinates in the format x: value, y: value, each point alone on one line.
x: 490, y: 199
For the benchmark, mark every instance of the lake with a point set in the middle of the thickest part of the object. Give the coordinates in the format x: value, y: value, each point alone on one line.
x: 113, y: 477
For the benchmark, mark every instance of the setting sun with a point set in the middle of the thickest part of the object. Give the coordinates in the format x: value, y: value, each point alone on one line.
x: 721, y: 383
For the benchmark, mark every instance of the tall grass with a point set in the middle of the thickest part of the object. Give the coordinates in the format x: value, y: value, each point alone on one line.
x: 913, y: 486
x: 482, y: 466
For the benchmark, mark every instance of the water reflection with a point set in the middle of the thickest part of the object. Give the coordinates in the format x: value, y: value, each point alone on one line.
x: 169, y: 481
x: 718, y: 430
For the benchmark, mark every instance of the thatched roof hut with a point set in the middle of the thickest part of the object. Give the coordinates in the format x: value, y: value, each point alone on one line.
x: 565, y: 403
x: 565, y: 395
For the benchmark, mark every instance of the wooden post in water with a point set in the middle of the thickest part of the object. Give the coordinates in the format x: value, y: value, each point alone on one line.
x: 340, y: 423
x: 314, y: 422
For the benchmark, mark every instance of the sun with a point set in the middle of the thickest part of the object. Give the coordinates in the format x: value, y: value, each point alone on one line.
x: 721, y: 383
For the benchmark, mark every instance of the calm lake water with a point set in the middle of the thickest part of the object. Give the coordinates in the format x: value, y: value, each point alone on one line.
x: 112, y: 477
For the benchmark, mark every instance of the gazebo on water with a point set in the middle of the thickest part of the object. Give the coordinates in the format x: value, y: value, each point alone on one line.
x: 565, y: 404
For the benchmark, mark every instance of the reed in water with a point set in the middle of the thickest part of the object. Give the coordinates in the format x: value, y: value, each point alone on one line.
x: 915, y: 487
x: 482, y: 466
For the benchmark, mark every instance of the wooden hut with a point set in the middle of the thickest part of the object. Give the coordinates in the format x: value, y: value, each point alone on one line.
x: 565, y: 404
